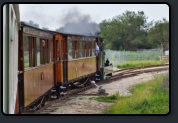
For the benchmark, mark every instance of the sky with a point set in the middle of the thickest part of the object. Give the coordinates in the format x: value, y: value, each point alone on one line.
x: 52, y: 15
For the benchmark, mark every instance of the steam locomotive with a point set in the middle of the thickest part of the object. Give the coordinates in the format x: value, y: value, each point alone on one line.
x: 43, y: 61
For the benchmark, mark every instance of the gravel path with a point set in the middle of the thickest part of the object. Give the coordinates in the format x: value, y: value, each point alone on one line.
x: 85, y: 105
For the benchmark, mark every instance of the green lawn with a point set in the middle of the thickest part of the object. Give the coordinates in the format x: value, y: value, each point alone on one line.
x: 140, y: 64
x: 147, y: 98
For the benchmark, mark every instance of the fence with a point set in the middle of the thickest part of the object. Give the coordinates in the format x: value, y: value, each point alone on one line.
x: 121, y: 57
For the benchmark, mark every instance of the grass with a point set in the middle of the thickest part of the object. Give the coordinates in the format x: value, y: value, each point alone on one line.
x: 82, y: 98
x: 141, y: 64
x: 111, y: 99
x: 147, y: 98
x: 26, y: 65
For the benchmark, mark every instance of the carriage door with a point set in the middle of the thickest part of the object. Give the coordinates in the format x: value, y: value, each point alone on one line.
x: 65, y: 59
x: 58, y: 59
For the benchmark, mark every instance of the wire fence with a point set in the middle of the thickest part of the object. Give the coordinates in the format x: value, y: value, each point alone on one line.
x: 121, y: 57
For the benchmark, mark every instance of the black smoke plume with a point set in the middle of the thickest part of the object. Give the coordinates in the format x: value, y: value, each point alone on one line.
x: 77, y: 23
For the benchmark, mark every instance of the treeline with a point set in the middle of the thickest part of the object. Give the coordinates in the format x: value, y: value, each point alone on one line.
x: 31, y: 23
x: 131, y: 31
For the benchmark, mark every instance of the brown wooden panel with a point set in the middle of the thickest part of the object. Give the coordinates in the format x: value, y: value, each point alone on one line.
x: 84, y: 48
x: 30, y: 52
x: 52, y: 51
x: 59, y: 38
x: 87, y: 47
x: 72, y: 71
x: 41, y: 52
x: 81, y: 67
x: 35, y: 32
x: 73, y: 49
x: 59, y: 71
x: 59, y: 65
x: 34, y: 85
x: 34, y: 51
x: 45, y: 52
x: 90, y: 48
x: 77, y: 48
x: 65, y: 45
x: 62, y: 49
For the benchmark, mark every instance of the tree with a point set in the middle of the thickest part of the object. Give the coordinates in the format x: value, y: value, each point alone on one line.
x: 158, y: 35
x: 61, y: 29
x: 45, y: 28
x: 31, y: 23
x: 125, y: 32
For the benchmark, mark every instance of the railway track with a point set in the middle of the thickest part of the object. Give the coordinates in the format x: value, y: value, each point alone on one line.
x: 119, y: 74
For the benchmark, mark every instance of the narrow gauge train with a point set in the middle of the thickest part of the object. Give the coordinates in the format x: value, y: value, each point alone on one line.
x: 35, y: 61
x: 49, y: 59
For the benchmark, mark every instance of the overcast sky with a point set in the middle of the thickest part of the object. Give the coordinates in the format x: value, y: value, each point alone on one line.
x: 52, y: 15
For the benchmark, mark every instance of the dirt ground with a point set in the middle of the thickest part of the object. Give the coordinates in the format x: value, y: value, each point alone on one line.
x: 84, y: 105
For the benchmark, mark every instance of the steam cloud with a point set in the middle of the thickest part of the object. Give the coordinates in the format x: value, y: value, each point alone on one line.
x: 75, y: 22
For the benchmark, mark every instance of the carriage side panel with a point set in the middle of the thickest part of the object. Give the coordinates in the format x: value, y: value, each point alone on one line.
x: 37, y: 82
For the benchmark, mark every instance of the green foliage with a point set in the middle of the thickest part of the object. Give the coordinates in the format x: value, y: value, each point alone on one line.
x: 31, y: 23
x: 140, y: 64
x: 127, y: 32
x: 111, y: 99
x: 45, y: 28
x: 26, y: 65
x: 158, y: 35
x: 82, y: 98
x: 147, y: 98
x: 61, y: 29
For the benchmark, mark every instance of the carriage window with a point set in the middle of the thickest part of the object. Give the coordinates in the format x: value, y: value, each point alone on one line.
x: 84, y: 49
x: 29, y: 51
x: 93, y: 48
x: 74, y: 49
x: 57, y: 50
x: 45, y: 51
x: 38, y: 51
x: 90, y: 51
x: 62, y: 48
x: 77, y: 49
x: 26, y: 52
x: 88, y: 48
x: 80, y: 49
x: 49, y: 51
x: 70, y: 49
x: 32, y: 53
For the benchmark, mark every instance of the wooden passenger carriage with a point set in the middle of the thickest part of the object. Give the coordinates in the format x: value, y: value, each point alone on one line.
x: 35, y: 63
x: 76, y: 57
x: 48, y: 59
